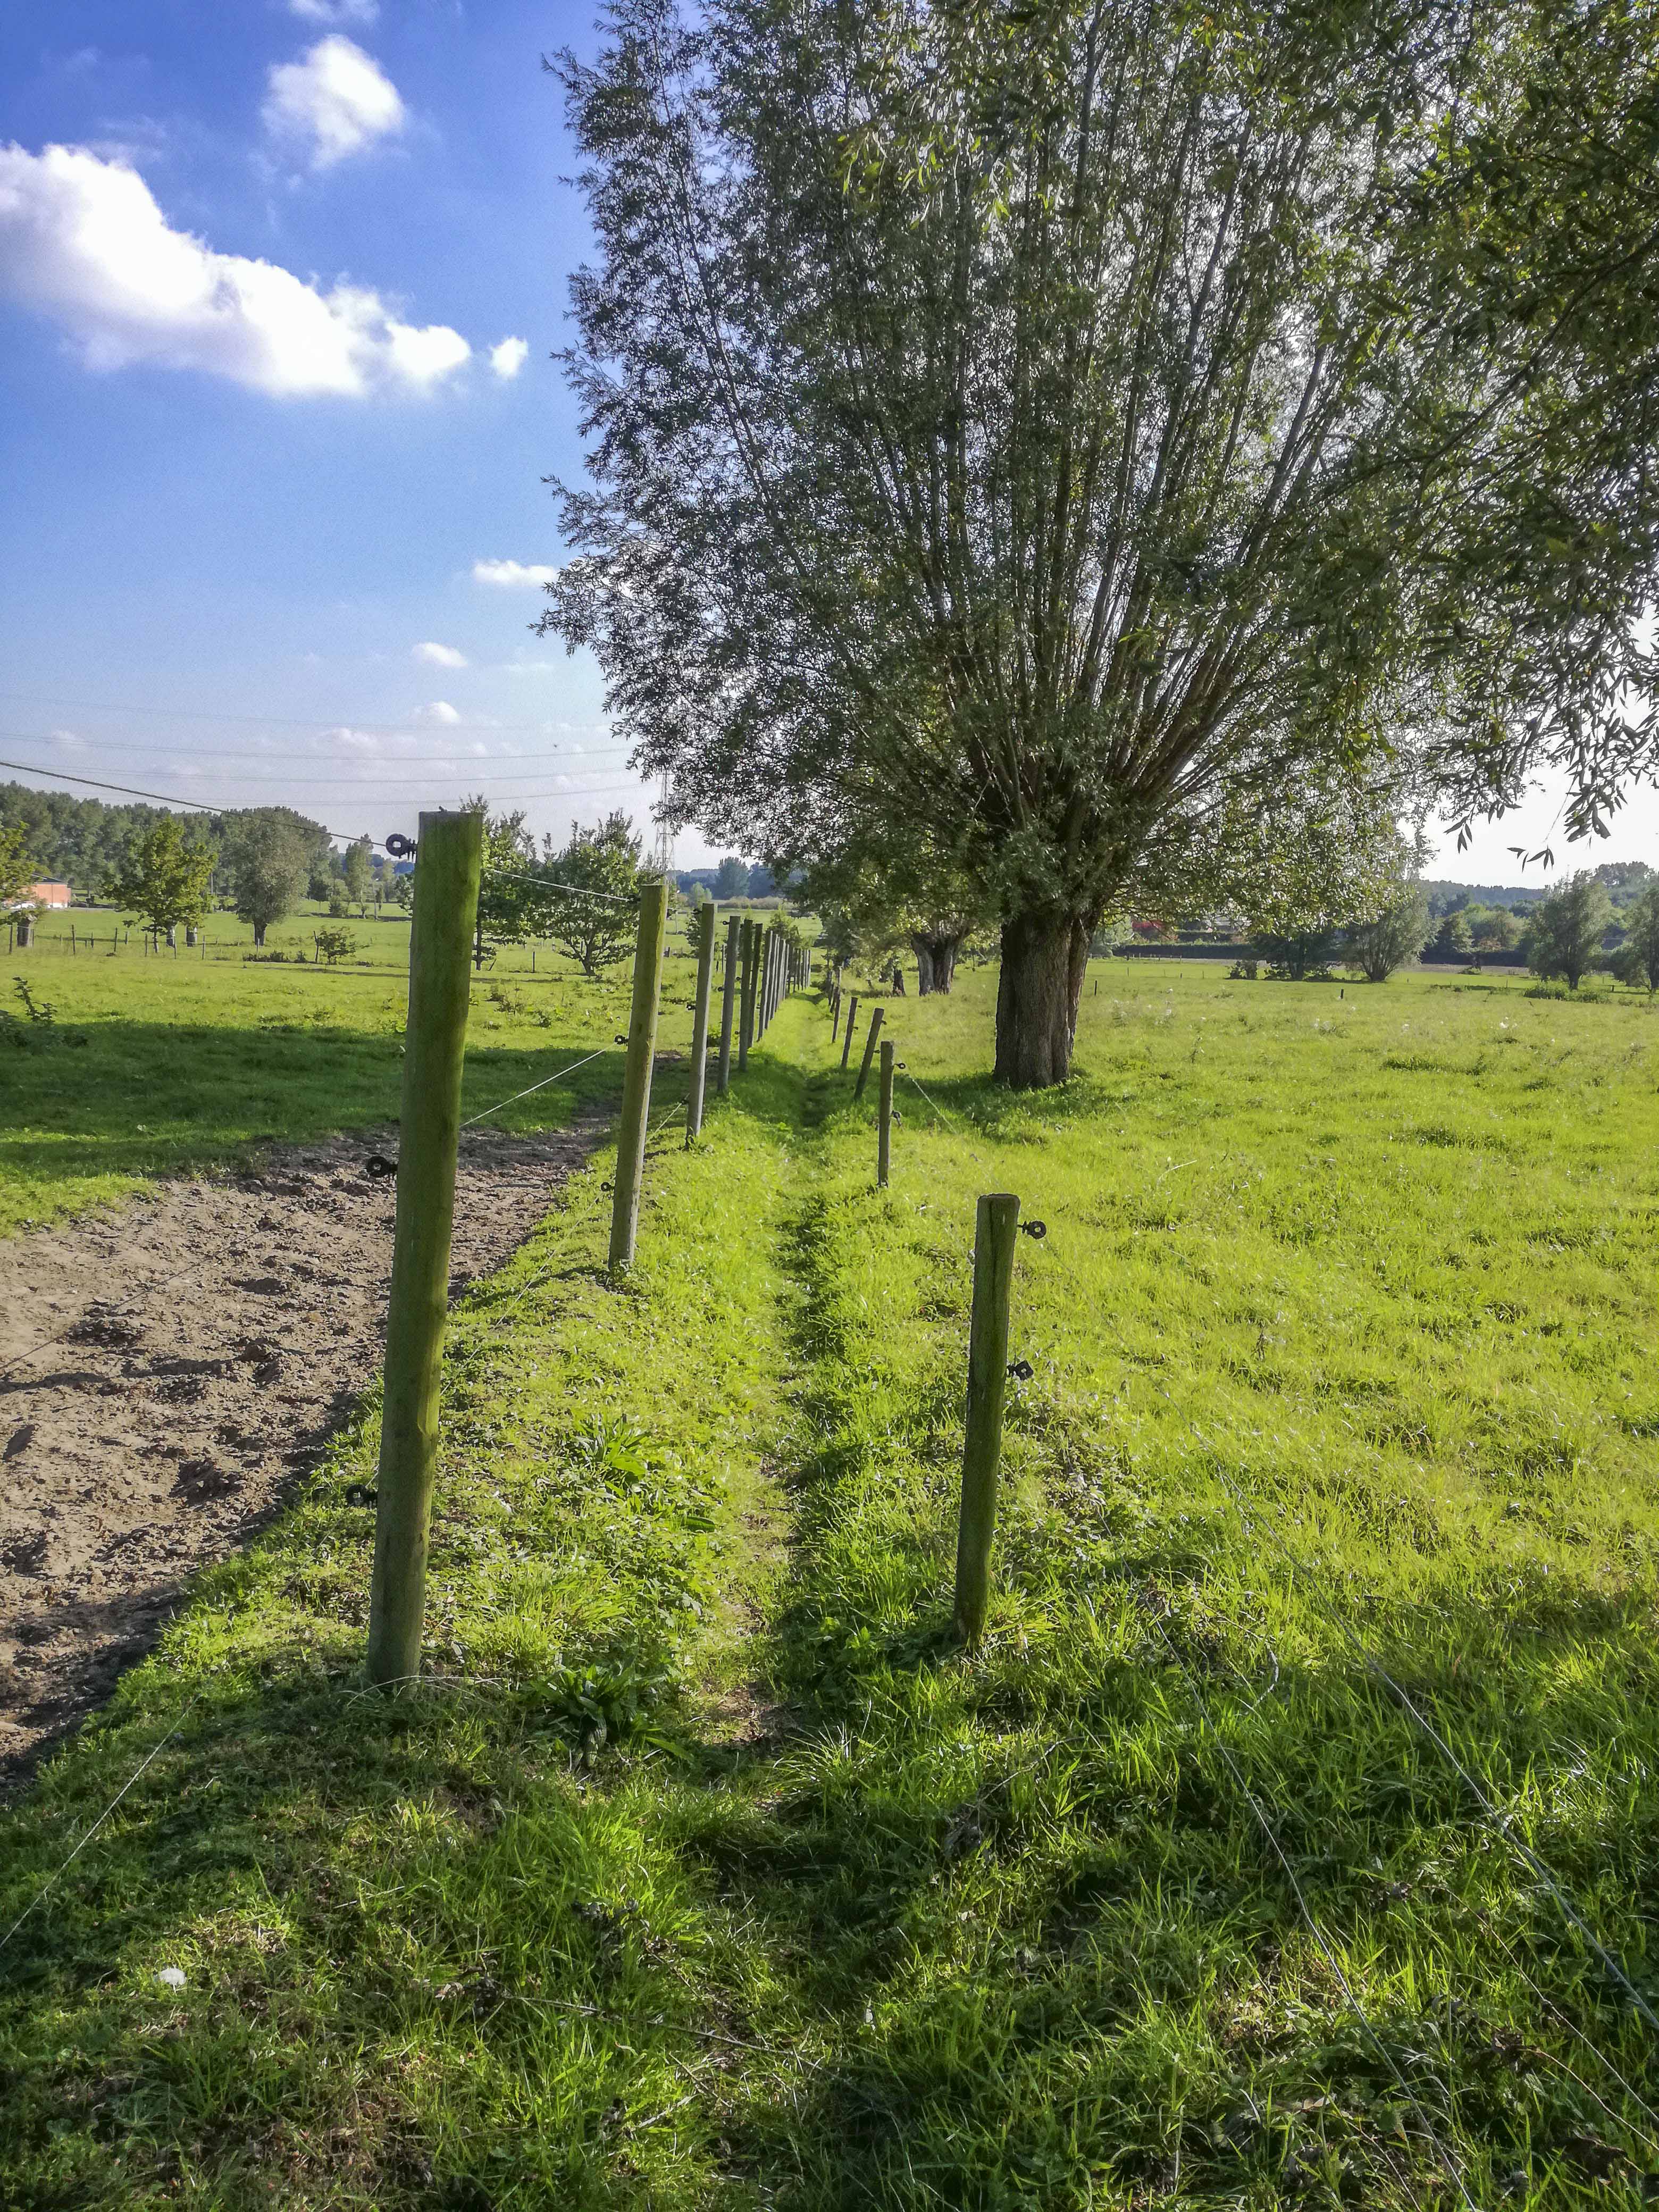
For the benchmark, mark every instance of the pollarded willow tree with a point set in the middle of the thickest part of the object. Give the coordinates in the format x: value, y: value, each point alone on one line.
x: 1069, y: 433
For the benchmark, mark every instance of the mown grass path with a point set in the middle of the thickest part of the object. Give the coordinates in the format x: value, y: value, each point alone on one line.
x: 708, y: 1872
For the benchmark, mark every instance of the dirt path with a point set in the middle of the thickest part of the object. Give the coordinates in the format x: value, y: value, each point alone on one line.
x: 166, y: 1370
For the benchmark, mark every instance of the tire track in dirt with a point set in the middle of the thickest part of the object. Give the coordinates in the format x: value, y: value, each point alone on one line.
x: 169, y: 1369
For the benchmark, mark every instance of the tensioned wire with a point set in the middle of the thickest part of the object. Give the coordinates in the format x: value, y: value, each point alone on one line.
x: 1503, y: 1824
x: 1314, y: 1928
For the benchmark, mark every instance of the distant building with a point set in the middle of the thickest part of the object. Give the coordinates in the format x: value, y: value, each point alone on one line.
x: 44, y: 894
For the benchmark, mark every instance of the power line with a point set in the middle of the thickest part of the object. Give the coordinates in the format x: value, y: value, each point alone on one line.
x: 272, y: 754
x: 218, y: 806
x: 272, y: 722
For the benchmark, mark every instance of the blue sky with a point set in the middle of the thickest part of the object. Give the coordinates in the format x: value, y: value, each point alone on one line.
x: 272, y: 487
x: 258, y: 520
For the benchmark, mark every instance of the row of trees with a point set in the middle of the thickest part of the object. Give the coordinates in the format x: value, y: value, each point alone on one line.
x: 1106, y: 456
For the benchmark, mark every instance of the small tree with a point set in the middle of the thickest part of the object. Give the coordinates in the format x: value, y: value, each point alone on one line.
x: 1398, y: 934
x: 360, y: 873
x: 1455, y: 938
x: 334, y: 945
x: 732, y: 879
x: 1497, y: 931
x: 1567, y: 928
x: 267, y: 863
x: 595, y: 932
x: 165, y: 877
x: 16, y: 868
x: 1638, y: 956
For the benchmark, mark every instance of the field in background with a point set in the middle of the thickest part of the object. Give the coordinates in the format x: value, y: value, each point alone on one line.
x: 708, y: 1872
x: 157, y: 1065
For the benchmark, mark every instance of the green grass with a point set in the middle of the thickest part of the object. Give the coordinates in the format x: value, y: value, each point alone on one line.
x: 1343, y: 1337
x: 153, y: 1065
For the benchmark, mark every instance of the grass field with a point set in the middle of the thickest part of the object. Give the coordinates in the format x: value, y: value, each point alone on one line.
x: 705, y: 1871
x: 155, y: 1064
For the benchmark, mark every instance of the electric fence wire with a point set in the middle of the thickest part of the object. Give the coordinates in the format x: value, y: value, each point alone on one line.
x: 1451, y: 2166
x: 1606, y: 1957
x: 545, y: 884
x: 1501, y: 1823
x: 1548, y: 2056
x: 149, y: 1761
x: 472, y: 1121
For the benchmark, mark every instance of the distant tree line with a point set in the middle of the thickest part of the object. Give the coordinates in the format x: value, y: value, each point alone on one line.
x: 172, y: 869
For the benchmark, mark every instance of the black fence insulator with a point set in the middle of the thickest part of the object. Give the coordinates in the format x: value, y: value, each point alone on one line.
x: 401, y: 848
x: 359, y: 1493
x: 1035, y: 1230
x: 607, y: 1186
x: 1021, y: 1369
x: 622, y: 1037
x: 377, y: 1167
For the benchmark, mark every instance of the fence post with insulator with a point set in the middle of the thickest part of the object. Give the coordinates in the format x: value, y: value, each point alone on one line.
x: 995, y: 1229
x: 636, y: 1072
x: 699, y: 1019
x: 434, y: 1048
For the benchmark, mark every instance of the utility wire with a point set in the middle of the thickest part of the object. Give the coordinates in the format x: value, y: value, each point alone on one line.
x: 548, y: 883
x: 262, y: 721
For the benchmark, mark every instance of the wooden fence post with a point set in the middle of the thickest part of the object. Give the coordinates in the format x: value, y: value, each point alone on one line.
x: 994, y: 1231
x: 746, y: 1012
x: 835, y: 1014
x: 869, y: 1053
x: 847, y: 1041
x: 637, y: 1075
x: 884, y: 1119
x: 434, y: 1049
x: 728, y: 1003
x: 699, y: 1019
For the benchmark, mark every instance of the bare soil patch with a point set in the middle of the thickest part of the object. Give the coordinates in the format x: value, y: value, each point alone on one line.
x: 167, y: 1370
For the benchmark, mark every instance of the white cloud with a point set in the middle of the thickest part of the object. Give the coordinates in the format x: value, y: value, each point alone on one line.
x: 335, y: 11
x: 508, y: 358
x: 66, y: 741
x: 83, y: 240
x: 336, y: 97
x: 511, y: 576
x: 440, y: 656
x: 440, y: 711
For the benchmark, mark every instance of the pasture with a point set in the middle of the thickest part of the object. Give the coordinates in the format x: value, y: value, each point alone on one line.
x: 706, y: 1870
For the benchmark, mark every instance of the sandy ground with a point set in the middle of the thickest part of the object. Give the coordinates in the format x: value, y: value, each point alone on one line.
x: 166, y: 1371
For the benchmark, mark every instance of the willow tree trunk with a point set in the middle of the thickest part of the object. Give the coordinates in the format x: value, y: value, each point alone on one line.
x: 936, y: 962
x: 1043, y: 959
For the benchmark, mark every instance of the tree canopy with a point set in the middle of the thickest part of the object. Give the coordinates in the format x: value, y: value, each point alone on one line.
x: 1567, y: 929
x: 268, y: 858
x: 165, y: 877
x: 1088, y: 433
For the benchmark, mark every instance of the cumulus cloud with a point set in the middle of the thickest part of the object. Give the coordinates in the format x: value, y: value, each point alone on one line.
x: 335, y: 11
x: 440, y: 656
x: 68, y: 742
x: 511, y: 576
x: 440, y: 711
x: 335, y: 98
x: 507, y: 358
x: 82, y: 241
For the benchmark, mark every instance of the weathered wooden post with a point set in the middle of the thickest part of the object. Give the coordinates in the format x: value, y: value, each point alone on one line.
x: 25, y: 934
x: 835, y: 1015
x: 846, y: 1041
x: 434, y: 1048
x: 636, y: 1073
x: 884, y: 1118
x: 995, y: 1229
x: 728, y: 1003
x: 869, y: 1053
x: 746, y: 1015
x: 699, y: 1018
